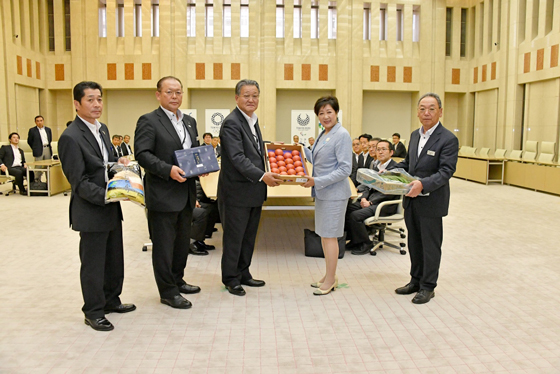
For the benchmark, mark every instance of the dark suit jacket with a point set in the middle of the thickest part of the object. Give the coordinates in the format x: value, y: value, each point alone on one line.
x: 400, y: 150
x: 124, y: 149
x: 218, y: 151
x: 115, y: 150
x: 155, y: 142
x: 242, y: 164
x: 368, y: 162
x: 7, y: 155
x: 36, y: 143
x: 82, y: 163
x: 434, y: 170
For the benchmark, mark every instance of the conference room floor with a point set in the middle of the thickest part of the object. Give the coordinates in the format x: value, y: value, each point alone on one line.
x: 496, y: 307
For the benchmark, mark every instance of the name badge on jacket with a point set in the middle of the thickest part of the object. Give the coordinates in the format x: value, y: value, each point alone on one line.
x: 431, y: 153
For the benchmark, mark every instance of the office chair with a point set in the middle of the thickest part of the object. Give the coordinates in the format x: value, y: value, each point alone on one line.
x: 382, y: 225
x: 7, y: 179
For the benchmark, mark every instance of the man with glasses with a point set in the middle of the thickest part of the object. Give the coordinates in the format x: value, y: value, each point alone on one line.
x: 170, y: 197
x: 432, y: 157
x: 367, y: 203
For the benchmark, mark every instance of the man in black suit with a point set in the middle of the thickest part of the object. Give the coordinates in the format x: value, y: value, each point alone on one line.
x: 356, y: 152
x: 12, y: 159
x: 39, y: 139
x: 116, y: 147
x: 432, y: 157
x: 364, y: 144
x: 367, y: 203
x: 400, y: 149
x: 371, y: 158
x: 84, y: 150
x: 170, y: 197
x: 125, y: 147
x: 242, y: 187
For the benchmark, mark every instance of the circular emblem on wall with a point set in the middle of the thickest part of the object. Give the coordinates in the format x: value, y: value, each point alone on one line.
x: 217, y: 119
x: 303, y: 121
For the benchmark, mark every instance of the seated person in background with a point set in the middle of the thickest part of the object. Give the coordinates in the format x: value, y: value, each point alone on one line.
x: 207, y: 138
x: 13, y: 160
x: 367, y: 203
x: 205, y: 216
x: 216, y: 145
x: 296, y: 140
x: 371, y: 158
x: 116, y: 146
x: 356, y: 152
x: 400, y: 149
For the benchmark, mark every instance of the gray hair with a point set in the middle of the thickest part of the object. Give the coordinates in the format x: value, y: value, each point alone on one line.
x: 246, y: 82
x: 434, y: 95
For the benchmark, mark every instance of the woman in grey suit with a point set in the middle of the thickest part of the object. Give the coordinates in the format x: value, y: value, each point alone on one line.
x: 331, y: 157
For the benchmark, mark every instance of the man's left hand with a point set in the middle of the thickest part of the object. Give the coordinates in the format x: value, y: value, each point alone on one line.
x: 416, y: 188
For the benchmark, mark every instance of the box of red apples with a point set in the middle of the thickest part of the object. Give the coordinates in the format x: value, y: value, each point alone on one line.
x: 288, y: 161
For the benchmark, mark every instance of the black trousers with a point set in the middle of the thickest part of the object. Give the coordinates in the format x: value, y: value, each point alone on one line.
x: 102, y: 270
x: 240, y: 225
x: 199, y: 220
x: 213, y: 216
x: 170, y: 233
x: 18, y: 172
x: 425, y: 236
x: 355, y: 227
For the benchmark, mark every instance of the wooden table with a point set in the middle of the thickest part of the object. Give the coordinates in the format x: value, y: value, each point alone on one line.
x: 56, y: 180
x: 480, y: 169
x: 283, y: 197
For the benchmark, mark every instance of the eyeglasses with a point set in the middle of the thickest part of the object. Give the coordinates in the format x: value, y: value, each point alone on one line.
x: 173, y: 93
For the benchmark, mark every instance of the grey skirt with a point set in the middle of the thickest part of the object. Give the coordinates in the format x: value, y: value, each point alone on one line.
x: 329, y: 217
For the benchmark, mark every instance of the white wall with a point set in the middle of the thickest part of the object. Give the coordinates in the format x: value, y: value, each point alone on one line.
x: 122, y: 108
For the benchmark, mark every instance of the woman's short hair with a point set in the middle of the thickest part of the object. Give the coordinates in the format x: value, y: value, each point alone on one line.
x: 326, y: 100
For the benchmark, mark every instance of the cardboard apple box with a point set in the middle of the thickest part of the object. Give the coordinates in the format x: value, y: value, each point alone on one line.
x: 289, y: 179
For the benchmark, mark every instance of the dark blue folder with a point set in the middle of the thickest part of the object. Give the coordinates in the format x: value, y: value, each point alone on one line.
x: 197, y: 160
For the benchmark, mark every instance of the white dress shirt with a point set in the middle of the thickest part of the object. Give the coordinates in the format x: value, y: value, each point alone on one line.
x: 17, y: 156
x: 179, y: 126
x: 44, y: 136
x: 383, y: 166
x: 424, y: 137
x: 95, y: 129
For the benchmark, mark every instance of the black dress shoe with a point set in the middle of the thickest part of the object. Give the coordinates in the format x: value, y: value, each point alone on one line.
x: 214, y: 229
x: 203, y: 246
x: 236, y: 290
x: 253, y: 283
x: 178, y: 302
x: 99, y: 324
x: 364, y: 249
x: 188, y: 288
x: 351, y: 245
x: 123, y: 308
x: 194, y: 250
x: 408, y: 289
x: 24, y: 192
x: 423, y: 296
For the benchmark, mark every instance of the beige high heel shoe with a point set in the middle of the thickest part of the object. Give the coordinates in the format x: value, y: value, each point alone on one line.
x: 320, y: 292
x: 318, y: 284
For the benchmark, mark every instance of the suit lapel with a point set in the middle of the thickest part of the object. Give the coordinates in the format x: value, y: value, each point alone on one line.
x: 168, y: 126
x: 248, y: 132
x: 325, y: 138
x: 191, y: 130
x: 89, y: 137
x: 434, y: 138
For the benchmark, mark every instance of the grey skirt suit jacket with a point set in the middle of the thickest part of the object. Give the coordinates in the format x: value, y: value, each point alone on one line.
x: 331, y: 157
